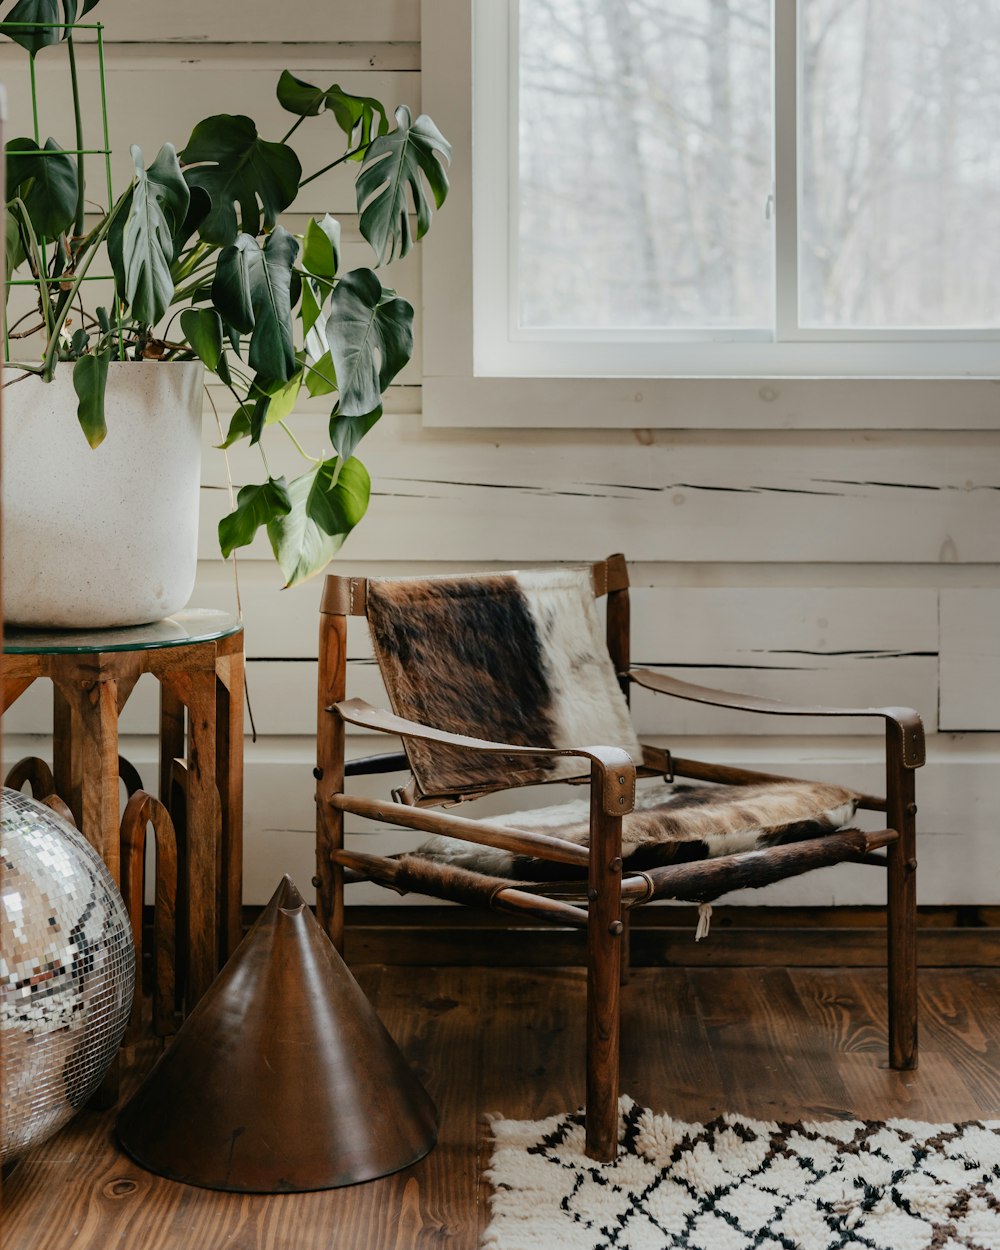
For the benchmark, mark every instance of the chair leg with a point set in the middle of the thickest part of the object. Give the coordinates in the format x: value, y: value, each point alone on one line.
x: 901, y: 907
x: 604, y: 969
x: 626, y: 957
x: 329, y: 772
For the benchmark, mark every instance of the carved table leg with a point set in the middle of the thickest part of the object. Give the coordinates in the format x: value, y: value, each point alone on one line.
x: 229, y: 773
x: 196, y: 690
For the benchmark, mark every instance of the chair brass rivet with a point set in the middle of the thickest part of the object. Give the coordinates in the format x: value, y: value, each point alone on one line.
x: 615, y: 865
x: 316, y: 882
x: 621, y: 781
x: 622, y: 800
x: 615, y: 927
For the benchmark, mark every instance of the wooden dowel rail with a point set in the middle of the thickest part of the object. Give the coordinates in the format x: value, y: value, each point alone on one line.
x: 875, y: 858
x: 520, y: 842
x: 723, y: 774
x: 459, y: 885
x: 539, y: 905
x: 706, y: 879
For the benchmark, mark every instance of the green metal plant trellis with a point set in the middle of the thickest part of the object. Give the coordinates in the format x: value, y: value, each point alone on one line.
x: 79, y: 151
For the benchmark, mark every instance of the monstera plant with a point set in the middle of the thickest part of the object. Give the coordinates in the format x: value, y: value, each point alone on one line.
x: 205, y: 270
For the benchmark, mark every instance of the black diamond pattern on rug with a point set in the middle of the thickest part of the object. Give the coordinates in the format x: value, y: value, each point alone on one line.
x: 736, y: 1183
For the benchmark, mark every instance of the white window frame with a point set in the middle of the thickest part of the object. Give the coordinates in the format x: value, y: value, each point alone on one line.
x: 832, y: 379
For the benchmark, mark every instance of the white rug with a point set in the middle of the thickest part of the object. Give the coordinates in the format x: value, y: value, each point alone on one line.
x: 737, y: 1183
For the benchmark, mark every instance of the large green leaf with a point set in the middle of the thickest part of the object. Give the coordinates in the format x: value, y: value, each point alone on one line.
x: 283, y: 396
x: 321, y: 377
x: 391, y: 173
x: 313, y: 297
x: 255, y: 506
x: 90, y: 380
x: 160, y: 200
x: 321, y: 247
x: 360, y: 117
x: 202, y: 328
x: 36, y: 11
x: 253, y: 292
x: 199, y: 206
x: 239, y: 170
x: 71, y: 13
x: 326, y: 506
x: 347, y: 432
x: 45, y: 179
x: 239, y: 426
x: 14, y: 252
x: 231, y: 292
x: 370, y: 334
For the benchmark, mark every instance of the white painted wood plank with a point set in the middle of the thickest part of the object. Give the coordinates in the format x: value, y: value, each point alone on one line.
x: 970, y: 659
x: 702, y: 403
x: 778, y: 626
x: 234, y: 21
x: 924, y: 498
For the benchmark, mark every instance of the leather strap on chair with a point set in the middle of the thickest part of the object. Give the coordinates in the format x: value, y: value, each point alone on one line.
x: 345, y: 596
x: 610, y: 574
x: 908, y: 722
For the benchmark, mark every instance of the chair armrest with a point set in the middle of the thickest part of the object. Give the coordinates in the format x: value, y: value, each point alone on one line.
x: 614, y: 765
x: 907, y: 721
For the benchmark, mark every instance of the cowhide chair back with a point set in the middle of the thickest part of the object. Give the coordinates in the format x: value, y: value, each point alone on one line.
x: 508, y: 680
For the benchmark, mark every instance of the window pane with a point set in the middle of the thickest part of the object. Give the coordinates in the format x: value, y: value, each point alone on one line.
x: 645, y: 164
x: 899, y: 163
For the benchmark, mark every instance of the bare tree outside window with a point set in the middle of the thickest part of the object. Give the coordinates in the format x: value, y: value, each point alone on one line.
x: 899, y: 162
x: 645, y: 164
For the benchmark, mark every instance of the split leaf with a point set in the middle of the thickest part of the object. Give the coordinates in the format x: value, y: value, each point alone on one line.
x: 391, y: 172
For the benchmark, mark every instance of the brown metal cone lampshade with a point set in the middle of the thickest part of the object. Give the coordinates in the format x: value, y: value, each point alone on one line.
x: 283, y: 1078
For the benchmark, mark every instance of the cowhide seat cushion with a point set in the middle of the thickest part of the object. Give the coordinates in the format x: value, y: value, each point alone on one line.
x: 671, y: 823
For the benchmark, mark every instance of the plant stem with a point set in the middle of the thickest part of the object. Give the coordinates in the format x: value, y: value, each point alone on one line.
x: 190, y: 289
x: 49, y: 363
x: 286, y: 137
x: 333, y: 164
x: 298, y: 446
x: 187, y: 267
x: 27, y: 371
x: 78, y: 118
x: 36, y: 263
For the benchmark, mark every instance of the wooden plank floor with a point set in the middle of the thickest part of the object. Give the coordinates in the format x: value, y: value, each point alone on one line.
x: 769, y: 1042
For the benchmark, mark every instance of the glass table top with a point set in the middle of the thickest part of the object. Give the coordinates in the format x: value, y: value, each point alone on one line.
x: 180, y: 630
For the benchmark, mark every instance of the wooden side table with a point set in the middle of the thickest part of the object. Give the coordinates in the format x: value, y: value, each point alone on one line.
x: 197, y: 657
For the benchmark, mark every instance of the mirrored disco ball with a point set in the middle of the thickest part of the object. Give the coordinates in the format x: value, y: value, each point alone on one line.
x: 67, y: 969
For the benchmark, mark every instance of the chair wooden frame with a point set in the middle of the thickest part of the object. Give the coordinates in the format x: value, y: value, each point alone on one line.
x: 603, y: 905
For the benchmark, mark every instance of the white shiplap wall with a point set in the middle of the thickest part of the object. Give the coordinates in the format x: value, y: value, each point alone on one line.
x: 829, y: 564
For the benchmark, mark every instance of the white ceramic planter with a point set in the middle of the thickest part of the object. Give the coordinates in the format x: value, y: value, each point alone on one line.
x: 105, y: 537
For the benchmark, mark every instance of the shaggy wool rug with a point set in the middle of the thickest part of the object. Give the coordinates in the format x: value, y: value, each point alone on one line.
x: 737, y: 1183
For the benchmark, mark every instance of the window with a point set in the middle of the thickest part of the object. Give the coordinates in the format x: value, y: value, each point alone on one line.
x: 736, y: 188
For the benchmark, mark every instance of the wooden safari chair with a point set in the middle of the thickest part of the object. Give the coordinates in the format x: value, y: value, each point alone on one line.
x: 502, y: 681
